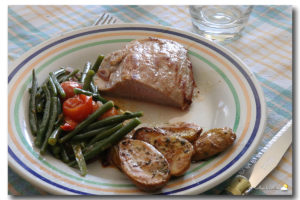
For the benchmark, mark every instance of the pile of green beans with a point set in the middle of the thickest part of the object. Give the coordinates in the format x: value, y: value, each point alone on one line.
x: 91, y: 137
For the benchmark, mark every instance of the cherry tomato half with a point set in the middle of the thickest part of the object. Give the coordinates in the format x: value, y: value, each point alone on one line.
x: 78, y: 108
x: 96, y: 105
x: 69, y: 124
x: 69, y: 86
x: 113, y: 111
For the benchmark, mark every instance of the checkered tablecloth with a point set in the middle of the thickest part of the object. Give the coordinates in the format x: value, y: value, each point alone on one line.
x: 265, y: 46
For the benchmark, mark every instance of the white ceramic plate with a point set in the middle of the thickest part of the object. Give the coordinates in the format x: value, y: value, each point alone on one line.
x: 229, y: 95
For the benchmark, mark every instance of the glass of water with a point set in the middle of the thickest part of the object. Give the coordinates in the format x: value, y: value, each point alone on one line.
x: 220, y: 23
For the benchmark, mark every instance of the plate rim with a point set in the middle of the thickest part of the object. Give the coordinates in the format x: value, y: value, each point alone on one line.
x: 236, y: 58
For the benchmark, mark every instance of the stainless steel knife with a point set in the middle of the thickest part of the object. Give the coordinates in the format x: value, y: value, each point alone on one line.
x: 262, y: 163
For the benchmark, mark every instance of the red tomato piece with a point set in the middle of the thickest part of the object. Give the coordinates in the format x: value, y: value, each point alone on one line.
x: 96, y: 105
x: 69, y: 124
x: 78, y: 108
x: 69, y: 86
x: 113, y: 111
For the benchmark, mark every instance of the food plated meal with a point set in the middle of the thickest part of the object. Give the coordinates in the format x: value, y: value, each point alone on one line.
x: 216, y: 103
x: 71, y: 119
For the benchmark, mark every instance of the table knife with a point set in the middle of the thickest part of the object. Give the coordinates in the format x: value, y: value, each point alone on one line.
x: 262, y: 163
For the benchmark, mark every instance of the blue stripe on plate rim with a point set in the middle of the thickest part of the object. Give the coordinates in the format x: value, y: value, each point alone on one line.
x: 230, y: 59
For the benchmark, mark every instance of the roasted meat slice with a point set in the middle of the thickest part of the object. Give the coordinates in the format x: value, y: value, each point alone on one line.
x: 212, y: 142
x: 150, y: 69
x: 143, y: 164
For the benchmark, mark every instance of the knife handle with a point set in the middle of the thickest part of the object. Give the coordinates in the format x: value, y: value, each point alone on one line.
x: 240, y: 185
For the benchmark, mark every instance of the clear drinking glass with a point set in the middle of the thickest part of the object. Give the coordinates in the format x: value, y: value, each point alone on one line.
x: 220, y: 23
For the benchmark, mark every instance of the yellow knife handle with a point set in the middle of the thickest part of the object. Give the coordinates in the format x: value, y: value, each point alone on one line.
x: 238, y: 186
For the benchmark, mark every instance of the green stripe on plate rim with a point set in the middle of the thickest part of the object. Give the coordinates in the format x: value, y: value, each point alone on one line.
x: 36, y: 155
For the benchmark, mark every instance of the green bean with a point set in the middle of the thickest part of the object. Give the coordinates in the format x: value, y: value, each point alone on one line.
x: 38, y: 92
x: 64, y: 155
x: 40, y: 100
x: 32, y: 105
x: 59, y: 72
x: 102, y: 145
x: 80, y: 159
x: 95, y: 96
x: 98, y: 63
x: 46, y: 115
x: 88, y: 79
x: 86, y: 68
x: 90, y: 134
x: 56, y: 73
x: 40, y: 95
x: 52, y: 87
x: 59, y: 120
x: 52, y: 140
x: 105, y: 134
x: 81, y: 91
x: 50, y: 127
x: 87, y: 121
x: 93, y: 88
x: 60, y: 90
x: 67, y: 77
x: 113, y: 120
x: 59, y: 106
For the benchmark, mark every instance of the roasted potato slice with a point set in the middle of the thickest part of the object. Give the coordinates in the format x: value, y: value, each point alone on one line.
x: 113, y: 156
x: 143, y: 164
x: 188, y: 131
x: 146, y: 134
x: 212, y: 142
x: 185, y: 130
x: 177, y: 150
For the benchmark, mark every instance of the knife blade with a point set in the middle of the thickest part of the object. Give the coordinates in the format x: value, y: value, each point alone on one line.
x: 263, y: 163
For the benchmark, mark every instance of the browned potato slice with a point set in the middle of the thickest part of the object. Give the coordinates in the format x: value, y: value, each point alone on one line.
x: 178, y: 151
x: 143, y: 164
x: 113, y: 156
x: 188, y: 131
x: 213, y: 142
x: 146, y: 133
x: 185, y: 130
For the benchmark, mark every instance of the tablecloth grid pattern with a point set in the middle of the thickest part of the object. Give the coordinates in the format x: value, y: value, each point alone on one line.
x: 265, y: 46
